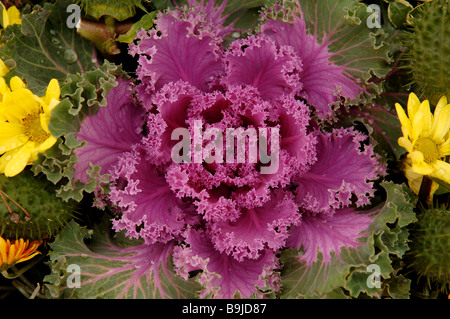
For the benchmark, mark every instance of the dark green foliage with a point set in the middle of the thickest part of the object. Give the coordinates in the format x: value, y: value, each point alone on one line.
x: 30, y: 209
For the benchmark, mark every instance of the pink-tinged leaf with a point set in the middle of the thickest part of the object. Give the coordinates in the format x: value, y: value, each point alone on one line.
x: 223, y: 276
x: 214, y: 15
x: 293, y: 116
x: 109, y: 133
x: 112, y: 270
x: 257, y: 228
x: 150, y: 210
x: 258, y: 62
x: 177, y: 50
x: 327, y: 233
x: 321, y: 79
x: 172, y: 102
x: 344, y: 168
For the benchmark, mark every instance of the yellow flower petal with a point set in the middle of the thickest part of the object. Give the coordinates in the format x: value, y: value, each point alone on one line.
x: 404, y: 121
x: 2, y: 250
x: 444, y: 148
x: 45, y: 120
x: 12, y: 143
x: 8, y: 130
x: 416, y: 156
x: 4, y: 159
x: 3, y: 87
x: 3, y: 116
x: 14, y: 15
x: 425, y: 116
x: 442, y: 124
x: 3, y: 68
x: 413, y: 105
x: 11, y: 136
x: 20, y: 247
x: 406, y: 144
x: 415, y: 182
x: 5, y: 18
x: 11, y: 254
x: 441, y: 171
x: 28, y: 257
x: 418, y: 164
x: 20, y: 103
x: 33, y: 246
x: 417, y: 124
x: 16, y: 83
x: 414, y: 179
x: 19, y: 159
x: 40, y: 101
x: 53, y: 91
x: 11, y: 16
x: 51, y: 106
x: 437, y: 111
x: 49, y: 142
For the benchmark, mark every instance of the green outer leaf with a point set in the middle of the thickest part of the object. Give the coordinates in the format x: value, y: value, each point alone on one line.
x: 57, y: 165
x: 119, y: 10
x: 300, y: 281
x: 39, y: 47
x: 398, y: 287
x: 62, y: 123
x: 363, y: 52
x: 387, y: 233
x: 398, y: 11
x: 383, y: 125
x: 243, y: 14
x: 110, y: 269
x: 145, y: 22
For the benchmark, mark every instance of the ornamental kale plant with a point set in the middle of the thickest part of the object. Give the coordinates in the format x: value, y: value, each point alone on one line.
x: 218, y: 149
x: 229, y: 219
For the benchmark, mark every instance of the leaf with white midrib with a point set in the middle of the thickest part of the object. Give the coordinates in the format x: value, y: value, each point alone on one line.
x: 113, y: 270
x: 364, y: 52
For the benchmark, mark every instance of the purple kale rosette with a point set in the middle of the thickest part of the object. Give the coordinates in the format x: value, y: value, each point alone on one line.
x: 231, y: 218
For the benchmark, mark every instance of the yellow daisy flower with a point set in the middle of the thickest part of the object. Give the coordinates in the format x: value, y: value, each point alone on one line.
x: 17, y: 251
x: 426, y: 137
x: 24, y: 119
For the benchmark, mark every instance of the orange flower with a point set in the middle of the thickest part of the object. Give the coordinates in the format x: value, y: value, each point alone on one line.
x: 16, y: 251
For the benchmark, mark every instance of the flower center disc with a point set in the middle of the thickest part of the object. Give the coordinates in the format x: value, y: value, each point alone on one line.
x: 33, y: 128
x: 428, y: 148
